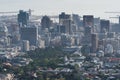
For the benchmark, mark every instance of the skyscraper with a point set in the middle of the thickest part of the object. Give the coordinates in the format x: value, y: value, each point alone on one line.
x: 88, y: 32
x: 65, y: 20
x: 119, y: 19
x: 30, y: 34
x: 63, y: 16
x: 105, y: 25
x: 76, y: 20
x: 88, y: 20
x: 94, y: 41
x: 23, y: 18
x: 25, y: 45
x: 60, y: 29
x: 67, y: 23
x: 46, y: 22
x: 3, y: 31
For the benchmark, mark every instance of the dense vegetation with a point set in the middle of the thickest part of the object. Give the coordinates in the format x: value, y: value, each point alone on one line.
x: 48, y: 57
x: 43, y: 59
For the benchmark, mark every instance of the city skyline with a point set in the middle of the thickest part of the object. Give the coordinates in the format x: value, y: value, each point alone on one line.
x: 52, y: 7
x: 61, y: 40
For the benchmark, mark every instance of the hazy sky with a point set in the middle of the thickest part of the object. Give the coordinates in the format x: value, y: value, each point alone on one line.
x: 95, y: 7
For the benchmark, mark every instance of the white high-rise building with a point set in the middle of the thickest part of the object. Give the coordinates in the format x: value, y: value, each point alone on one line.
x: 25, y: 45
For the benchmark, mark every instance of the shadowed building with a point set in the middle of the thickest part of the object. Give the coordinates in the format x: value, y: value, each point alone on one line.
x: 63, y: 16
x: 88, y: 20
x: 30, y: 34
x: 23, y: 18
x: 25, y: 45
x: 46, y: 22
x: 65, y: 20
x: 105, y: 25
x: 94, y: 41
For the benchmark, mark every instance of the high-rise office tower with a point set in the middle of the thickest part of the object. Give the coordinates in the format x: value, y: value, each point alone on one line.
x: 88, y: 32
x: 25, y: 45
x: 3, y: 31
x: 63, y: 17
x: 97, y: 24
x: 23, y: 18
x: 65, y: 20
x: 68, y: 25
x: 105, y: 25
x: 119, y: 19
x: 30, y: 34
x: 94, y: 41
x: 76, y: 20
x: 88, y: 20
x: 46, y: 22
x: 60, y: 29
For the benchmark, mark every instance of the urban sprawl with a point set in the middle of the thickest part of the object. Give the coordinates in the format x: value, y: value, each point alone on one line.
x: 58, y: 47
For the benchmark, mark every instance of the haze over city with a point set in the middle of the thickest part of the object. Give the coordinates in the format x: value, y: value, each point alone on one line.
x: 50, y: 7
x: 59, y: 40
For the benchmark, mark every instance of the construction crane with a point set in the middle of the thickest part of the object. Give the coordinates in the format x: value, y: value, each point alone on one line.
x: 114, y: 12
x: 12, y: 12
x: 117, y: 16
x: 113, y: 17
